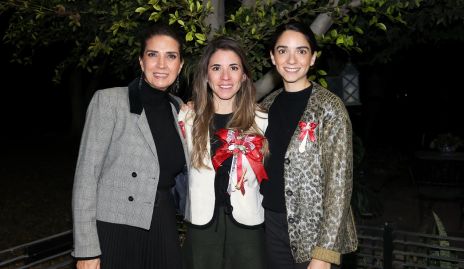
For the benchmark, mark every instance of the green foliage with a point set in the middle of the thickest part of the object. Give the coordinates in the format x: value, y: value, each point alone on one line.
x: 101, y: 36
x: 98, y: 37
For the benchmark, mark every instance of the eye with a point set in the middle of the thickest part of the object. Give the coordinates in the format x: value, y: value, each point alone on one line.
x: 172, y: 56
x: 152, y: 54
x: 281, y: 51
x: 215, y: 68
x: 234, y: 68
x: 302, y: 51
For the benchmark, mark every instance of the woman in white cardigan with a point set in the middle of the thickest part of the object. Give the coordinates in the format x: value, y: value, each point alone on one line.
x: 224, y: 134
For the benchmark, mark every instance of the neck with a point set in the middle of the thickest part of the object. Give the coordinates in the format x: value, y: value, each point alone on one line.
x: 296, y: 87
x: 223, y: 106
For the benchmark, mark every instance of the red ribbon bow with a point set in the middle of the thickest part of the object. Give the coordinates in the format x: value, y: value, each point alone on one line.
x: 234, y: 143
x: 182, y: 128
x: 307, y: 128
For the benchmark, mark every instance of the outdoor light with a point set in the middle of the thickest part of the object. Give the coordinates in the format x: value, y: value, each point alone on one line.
x: 350, y: 84
x: 346, y: 85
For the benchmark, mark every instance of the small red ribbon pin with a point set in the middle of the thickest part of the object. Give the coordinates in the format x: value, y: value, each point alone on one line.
x: 235, y: 144
x: 182, y: 128
x: 307, y: 129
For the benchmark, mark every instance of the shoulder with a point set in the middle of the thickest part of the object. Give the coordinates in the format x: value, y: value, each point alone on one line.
x: 261, y: 115
x: 327, y: 100
x: 267, y: 102
x: 186, y: 115
x: 110, y: 96
x: 176, y: 101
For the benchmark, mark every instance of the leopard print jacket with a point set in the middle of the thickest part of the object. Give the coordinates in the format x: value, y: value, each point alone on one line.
x: 318, y: 181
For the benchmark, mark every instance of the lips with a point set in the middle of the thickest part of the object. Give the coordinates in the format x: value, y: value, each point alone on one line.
x: 225, y: 87
x: 160, y: 75
x: 292, y: 69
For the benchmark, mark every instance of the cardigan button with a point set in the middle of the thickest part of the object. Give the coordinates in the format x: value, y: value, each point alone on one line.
x: 289, y: 193
x: 293, y: 248
x: 130, y: 198
x: 287, y: 161
x: 291, y: 220
x: 134, y: 174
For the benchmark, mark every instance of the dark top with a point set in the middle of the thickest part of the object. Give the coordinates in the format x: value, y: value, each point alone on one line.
x: 284, y: 115
x: 221, y: 180
x: 171, y: 157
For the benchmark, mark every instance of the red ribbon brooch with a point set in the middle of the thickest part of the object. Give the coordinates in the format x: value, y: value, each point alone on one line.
x: 306, y: 130
x: 237, y: 145
x: 182, y: 128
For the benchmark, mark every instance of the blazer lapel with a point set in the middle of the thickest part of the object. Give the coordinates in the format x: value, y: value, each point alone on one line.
x: 142, y: 122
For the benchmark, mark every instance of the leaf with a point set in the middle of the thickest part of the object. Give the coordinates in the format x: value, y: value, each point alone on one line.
x: 322, y: 72
x: 381, y: 26
x: 340, y: 40
x: 181, y: 22
x: 201, y: 37
x: 358, y: 30
x: 323, y: 82
x: 189, y: 36
x: 140, y: 10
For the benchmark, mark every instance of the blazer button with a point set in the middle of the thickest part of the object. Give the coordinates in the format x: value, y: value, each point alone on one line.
x: 291, y: 220
x: 287, y: 161
x: 130, y: 198
x: 134, y: 174
x: 289, y: 192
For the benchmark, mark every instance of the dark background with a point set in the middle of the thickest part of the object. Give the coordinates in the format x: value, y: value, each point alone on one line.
x: 405, y: 104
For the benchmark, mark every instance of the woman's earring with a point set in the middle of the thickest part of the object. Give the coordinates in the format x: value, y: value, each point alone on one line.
x: 176, y: 88
x: 140, y: 80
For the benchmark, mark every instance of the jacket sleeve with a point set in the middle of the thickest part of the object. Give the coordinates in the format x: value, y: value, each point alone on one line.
x: 338, y: 179
x: 94, y: 145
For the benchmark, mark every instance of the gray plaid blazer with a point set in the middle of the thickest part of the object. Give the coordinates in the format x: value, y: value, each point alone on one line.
x: 117, y: 169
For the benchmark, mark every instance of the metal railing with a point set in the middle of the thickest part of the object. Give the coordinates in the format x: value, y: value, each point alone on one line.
x: 379, y: 247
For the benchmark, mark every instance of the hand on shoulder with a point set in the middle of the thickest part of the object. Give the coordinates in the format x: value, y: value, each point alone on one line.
x: 187, y: 107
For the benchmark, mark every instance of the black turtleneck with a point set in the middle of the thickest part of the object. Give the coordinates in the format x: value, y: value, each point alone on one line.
x: 171, y: 158
x: 284, y: 115
x: 221, y: 180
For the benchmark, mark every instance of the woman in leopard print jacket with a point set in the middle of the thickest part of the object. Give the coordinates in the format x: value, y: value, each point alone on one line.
x: 308, y: 219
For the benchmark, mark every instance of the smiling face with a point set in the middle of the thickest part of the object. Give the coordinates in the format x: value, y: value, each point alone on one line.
x: 292, y: 56
x: 161, y: 61
x: 225, y: 76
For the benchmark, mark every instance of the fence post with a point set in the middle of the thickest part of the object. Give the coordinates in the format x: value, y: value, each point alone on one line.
x: 387, y: 246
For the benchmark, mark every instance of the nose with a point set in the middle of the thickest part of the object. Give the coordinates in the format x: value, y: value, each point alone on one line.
x: 225, y: 74
x: 161, y: 62
x: 291, y: 58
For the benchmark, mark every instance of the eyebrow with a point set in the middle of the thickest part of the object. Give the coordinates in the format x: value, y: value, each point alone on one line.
x: 234, y: 64
x: 168, y: 52
x: 286, y: 47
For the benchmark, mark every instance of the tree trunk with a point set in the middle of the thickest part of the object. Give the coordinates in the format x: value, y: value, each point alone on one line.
x: 320, y: 26
x: 217, y: 17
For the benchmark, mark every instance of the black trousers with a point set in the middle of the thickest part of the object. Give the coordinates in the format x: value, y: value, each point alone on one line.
x: 224, y: 245
x: 279, y: 254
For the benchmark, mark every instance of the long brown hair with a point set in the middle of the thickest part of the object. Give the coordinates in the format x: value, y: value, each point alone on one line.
x: 243, y: 117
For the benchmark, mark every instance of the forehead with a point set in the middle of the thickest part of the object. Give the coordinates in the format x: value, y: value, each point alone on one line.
x: 290, y: 38
x: 224, y: 57
x: 162, y: 43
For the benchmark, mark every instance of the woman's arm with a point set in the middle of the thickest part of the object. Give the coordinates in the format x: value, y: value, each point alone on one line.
x: 338, y: 175
x: 94, y: 145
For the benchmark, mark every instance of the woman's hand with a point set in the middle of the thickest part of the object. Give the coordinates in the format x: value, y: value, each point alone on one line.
x: 88, y: 264
x: 188, y: 106
x: 318, y: 264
